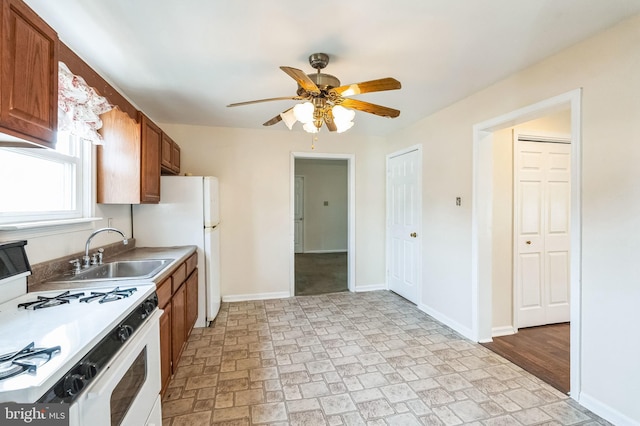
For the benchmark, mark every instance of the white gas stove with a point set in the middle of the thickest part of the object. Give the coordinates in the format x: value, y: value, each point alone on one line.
x: 64, y: 346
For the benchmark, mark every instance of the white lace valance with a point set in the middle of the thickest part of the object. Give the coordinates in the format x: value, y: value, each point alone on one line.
x: 79, y: 106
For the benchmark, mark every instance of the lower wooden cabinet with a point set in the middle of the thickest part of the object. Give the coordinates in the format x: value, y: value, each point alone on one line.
x: 178, y: 329
x: 165, y: 347
x: 178, y: 297
x: 192, y: 301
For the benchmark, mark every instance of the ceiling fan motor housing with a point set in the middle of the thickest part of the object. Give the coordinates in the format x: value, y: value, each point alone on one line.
x: 323, y: 81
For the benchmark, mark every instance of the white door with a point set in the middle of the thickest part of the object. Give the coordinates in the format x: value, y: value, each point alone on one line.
x: 298, y: 215
x: 403, y: 223
x: 542, y: 241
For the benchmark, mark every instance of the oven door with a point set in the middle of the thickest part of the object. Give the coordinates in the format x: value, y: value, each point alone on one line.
x: 127, y: 391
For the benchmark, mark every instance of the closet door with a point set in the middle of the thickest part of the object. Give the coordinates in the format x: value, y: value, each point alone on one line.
x: 542, y: 240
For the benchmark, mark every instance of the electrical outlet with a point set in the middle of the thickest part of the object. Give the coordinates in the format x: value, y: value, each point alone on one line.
x: 326, y: 203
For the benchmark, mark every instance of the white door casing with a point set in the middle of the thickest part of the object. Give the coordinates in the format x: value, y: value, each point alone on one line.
x: 542, y: 202
x: 298, y: 215
x: 404, y: 214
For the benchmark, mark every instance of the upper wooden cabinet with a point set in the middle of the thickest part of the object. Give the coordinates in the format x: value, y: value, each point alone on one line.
x: 129, y: 161
x: 170, y: 156
x: 151, y: 141
x: 28, y: 75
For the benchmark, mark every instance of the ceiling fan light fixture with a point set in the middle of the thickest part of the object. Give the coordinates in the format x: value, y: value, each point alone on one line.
x: 343, y: 127
x: 342, y: 114
x: 289, y: 118
x: 310, y: 127
x: 304, y: 112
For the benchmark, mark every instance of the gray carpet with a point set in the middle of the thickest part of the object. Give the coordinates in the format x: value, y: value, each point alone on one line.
x: 320, y: 273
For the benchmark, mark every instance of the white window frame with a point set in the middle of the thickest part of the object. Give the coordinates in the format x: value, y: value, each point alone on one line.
x: 83, y: 188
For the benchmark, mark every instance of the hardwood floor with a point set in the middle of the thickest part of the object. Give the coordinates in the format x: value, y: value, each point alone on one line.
x: 542, y: 351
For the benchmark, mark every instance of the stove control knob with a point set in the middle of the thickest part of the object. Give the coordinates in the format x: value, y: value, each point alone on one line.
x: 124, y: 332
x: 148, y: 307
x: 73, y: 384
x: 89, y: 370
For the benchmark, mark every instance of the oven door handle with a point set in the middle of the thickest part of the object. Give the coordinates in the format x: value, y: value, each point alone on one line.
x: 119, y: 365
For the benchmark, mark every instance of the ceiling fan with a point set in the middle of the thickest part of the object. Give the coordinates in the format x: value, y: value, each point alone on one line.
x: 325, y: 99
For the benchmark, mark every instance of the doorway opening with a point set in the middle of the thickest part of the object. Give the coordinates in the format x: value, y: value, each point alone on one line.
x: 322, y: 223
x: 494, y: 312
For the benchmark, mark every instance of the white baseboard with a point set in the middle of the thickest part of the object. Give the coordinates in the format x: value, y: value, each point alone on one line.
x: 502, y: 331
x: 324, y: 251
x: 371, y: 287
x: 606, y: 412
x: 456, y: 326
x: 255, y: 296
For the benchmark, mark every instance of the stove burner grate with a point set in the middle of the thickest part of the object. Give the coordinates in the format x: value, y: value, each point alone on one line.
x: 110, y: 296
x: 27, y: 359
x: 47, y: 302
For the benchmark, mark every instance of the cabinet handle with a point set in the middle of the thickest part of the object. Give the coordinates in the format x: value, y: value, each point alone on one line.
x: 413, y: 235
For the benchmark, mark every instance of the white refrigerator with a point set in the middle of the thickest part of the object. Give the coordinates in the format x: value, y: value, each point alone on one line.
x: 188, y: 214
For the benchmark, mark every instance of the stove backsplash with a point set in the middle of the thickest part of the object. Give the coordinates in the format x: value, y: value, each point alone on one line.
x: 42, y: 272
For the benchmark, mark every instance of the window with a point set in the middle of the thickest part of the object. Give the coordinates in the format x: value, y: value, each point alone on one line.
x: 44, y: 185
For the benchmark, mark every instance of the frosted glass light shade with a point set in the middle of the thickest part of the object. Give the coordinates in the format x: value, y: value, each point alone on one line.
x: 343, y: 127
x: 288, y: 118
x: 310, y: 128
x: 342, y: 114
x: 304, y: 112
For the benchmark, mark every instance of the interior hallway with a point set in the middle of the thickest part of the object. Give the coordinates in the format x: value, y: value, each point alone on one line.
x: 320, y: 273
x: 351, y: 359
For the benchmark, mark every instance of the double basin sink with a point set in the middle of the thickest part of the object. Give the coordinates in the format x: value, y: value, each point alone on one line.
x: 119, y: 270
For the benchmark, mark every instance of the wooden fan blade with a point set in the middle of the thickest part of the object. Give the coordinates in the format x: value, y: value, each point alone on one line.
x: 273, y: 121
x: 370, y: 108
x: 328, y: 120
x: 284, y: 98
x: 379, y: 85
x: 276, y: 119
x: 303, y: 80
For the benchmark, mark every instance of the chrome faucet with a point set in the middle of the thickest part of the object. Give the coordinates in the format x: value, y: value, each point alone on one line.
x: 86, y: 260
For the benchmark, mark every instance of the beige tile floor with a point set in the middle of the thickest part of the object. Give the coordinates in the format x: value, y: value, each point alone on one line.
x: 351, y: 359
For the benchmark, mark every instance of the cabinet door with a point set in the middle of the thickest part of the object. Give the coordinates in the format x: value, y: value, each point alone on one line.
x: 165, y: 347
x: 175, y: 158
x: 178, y: 335
x: 167, y: 151
x: 151, y: 141
x: 29, y: 75
x: 192, y: 302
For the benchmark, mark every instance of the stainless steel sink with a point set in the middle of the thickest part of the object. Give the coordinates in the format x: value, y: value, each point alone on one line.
x: 119, y: 270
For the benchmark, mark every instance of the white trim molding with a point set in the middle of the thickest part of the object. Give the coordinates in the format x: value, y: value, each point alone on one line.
x: 255, y: 296
x: 324, y: 251
x: 481, y: 236
x: 506, y: 330
x: 351, y: 213
x: 446, y: 321
x: 605, y: 411
x: 370, y: 287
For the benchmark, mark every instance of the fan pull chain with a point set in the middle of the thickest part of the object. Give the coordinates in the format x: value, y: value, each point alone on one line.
x: 314, y: 139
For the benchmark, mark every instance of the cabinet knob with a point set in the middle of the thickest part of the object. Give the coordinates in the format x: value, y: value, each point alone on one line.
x: 528, y: 243
x: 413, y: 235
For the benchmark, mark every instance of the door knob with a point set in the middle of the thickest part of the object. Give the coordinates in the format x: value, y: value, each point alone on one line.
x: 528, y: 243
x: 413, y: 235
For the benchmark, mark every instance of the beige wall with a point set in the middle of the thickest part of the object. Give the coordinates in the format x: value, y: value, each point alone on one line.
x: 254, y: 169
x: 325, y: 227
x: 606, y: 68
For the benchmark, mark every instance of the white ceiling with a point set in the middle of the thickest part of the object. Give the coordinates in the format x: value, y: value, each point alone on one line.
x: 184, y: 61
